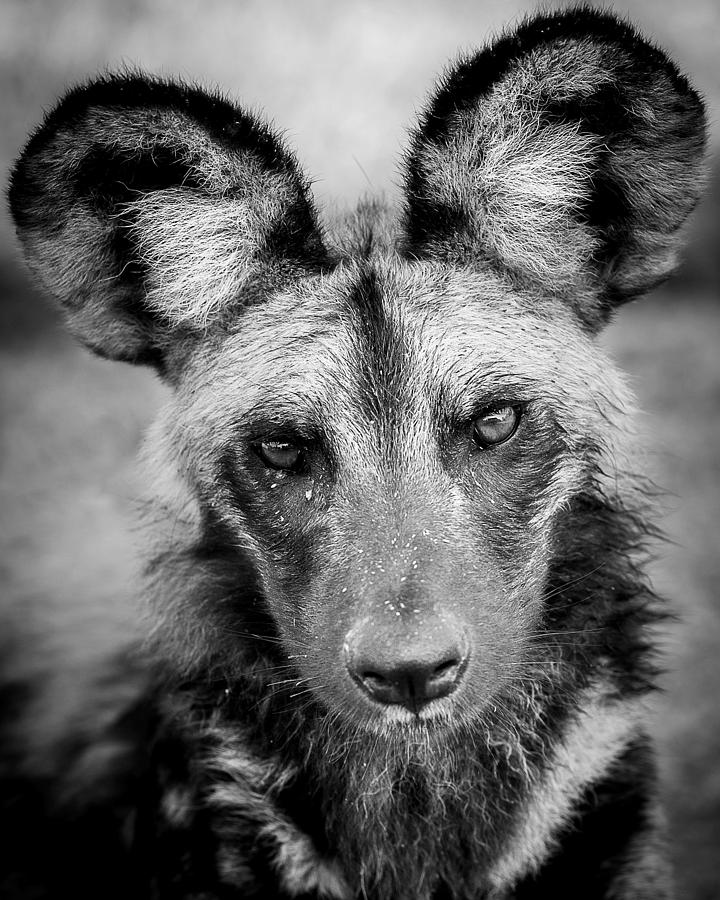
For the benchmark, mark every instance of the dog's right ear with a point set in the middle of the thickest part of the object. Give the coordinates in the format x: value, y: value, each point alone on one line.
x: 149, y: 207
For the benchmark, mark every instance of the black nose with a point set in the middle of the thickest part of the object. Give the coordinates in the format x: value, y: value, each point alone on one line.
x: 411, y: 674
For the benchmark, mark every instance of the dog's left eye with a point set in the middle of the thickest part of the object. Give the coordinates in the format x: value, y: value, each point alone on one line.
x: 284, y: 455
x: 496, y: 425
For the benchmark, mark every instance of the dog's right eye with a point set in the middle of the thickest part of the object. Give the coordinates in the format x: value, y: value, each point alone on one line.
x: 283, y: 455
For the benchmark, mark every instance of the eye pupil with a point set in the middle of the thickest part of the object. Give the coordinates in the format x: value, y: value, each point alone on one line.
x: 496, y: 425
x: 282, y: 455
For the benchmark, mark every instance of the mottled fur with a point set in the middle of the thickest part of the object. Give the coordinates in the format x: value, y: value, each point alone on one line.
x: 547, y: 182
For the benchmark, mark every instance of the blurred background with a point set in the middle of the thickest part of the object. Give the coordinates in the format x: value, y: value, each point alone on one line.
x: 344, y: 80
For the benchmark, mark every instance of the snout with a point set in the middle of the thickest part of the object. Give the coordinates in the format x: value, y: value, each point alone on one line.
x: 407, y: 667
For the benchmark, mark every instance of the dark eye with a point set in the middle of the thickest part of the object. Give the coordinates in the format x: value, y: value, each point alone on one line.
x: 284, y: 455
x: 496, y: 425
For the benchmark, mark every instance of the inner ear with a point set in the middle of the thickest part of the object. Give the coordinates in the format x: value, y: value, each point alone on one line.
x: 109, y: 181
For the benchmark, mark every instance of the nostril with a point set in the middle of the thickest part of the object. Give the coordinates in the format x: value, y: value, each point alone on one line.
x: 449, y: 668
x: 443, y: 678
x: 373, y: 680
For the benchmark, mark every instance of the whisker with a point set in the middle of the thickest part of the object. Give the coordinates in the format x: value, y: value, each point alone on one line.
x: 560, y: 589
x: 295, y: 681
x: 535, y: 634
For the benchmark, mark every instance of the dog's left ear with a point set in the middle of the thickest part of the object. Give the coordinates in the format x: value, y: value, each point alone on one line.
x: 568, y: 154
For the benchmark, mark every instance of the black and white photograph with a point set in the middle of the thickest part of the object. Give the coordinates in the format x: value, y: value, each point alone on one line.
x: 359, y: 468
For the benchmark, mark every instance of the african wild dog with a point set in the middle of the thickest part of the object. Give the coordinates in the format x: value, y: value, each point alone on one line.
x: 400, y: 642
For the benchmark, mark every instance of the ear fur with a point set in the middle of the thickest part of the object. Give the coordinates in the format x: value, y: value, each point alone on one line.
x: 568, y: 154
x: 149, y: 207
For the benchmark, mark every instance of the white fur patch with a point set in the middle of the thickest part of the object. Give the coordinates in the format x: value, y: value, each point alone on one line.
x: 201, y: 250
x: 591, y: 744
x: 250, y: 791
x: 300, y: 869
x: 520, y: 177
x: 530, y: 180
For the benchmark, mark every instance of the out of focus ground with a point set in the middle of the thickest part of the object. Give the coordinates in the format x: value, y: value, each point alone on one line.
x: 344, y: 79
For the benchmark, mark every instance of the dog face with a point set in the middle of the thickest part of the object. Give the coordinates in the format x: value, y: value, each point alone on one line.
x: 391, y: 445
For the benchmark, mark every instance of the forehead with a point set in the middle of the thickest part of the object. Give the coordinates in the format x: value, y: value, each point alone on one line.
x: 376, y: 337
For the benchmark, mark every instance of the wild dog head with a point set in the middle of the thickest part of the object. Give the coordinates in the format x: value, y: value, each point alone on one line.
x: 379, y: 439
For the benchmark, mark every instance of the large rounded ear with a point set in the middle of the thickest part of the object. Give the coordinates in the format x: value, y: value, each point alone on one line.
x: 150, y: 208
x: 567, y: 154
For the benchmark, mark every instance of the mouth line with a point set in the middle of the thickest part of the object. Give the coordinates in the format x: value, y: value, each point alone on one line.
x: 395, y: 715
